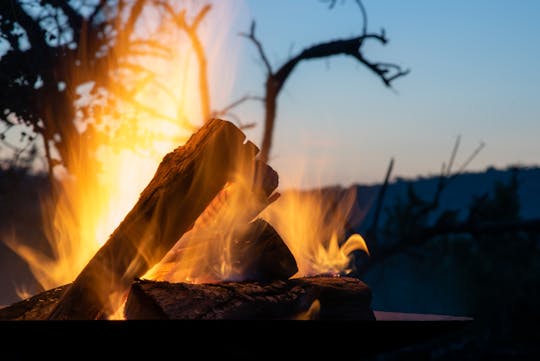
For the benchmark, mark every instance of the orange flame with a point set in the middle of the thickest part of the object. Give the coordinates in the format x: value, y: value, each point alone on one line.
x: 150, y: 107
x: 312, y: 223
x: 133, y: 134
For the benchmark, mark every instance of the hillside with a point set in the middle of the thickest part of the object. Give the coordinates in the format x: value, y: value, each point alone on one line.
x: 458, y: 195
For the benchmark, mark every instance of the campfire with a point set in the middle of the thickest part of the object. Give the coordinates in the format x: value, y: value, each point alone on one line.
x: 210, y: 238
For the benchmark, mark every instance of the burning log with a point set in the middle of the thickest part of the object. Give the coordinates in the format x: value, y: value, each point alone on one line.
x: 262, y: 255
x: 258, y: 253
x: 323, y: 298
x: 37, y: 307
x: 185, y: 183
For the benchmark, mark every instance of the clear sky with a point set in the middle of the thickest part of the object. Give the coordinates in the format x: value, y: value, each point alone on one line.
x: 474, y: 72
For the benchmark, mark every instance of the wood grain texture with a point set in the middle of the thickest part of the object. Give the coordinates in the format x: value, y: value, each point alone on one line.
x: 322, y: 298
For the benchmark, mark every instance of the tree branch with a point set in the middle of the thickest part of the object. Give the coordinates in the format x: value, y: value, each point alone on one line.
x: 251, y: 36
x: 371, y: 234
x: 364, y: 16
x: 471, y: 157
x: 75, y: 19
x: 448, y: 170
x: 351, y: 47
x: 191, y: 31
x: 99, y: 7
x: 332, y: 4
x: 387, y: 72
x: 425, y: 234
x: 417, y: 234
x: 125, y: 30
x: 152, y: 44
x: 34, y: 32
x: 445, y: 178
x: 200, y: 16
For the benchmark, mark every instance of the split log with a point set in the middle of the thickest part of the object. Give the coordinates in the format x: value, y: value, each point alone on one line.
x: 184, y: 184
x: 322, y: 298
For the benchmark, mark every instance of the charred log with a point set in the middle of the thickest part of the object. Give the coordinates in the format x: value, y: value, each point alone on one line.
x: 262, y: 255
x: 323, y: 298
x: 257, y: 253
x: 37, y: 307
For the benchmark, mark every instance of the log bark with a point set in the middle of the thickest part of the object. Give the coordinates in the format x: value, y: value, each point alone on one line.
x: 321, y: 298
x: 260, y: 254
x: 184, y: 184
x: 37, y: 307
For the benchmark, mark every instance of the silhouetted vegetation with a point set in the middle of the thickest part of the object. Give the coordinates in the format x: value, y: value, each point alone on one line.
x: 53, y: 47
x: 492, y: 256
x: 49, y: 48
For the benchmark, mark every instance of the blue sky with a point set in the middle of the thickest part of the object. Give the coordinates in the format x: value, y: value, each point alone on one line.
x: 474, y: 73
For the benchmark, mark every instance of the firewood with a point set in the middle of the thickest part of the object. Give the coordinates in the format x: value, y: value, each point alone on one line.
x: 37, y: 307
x: 184, y: 184
x: 258, y: 253
x: 322, y: 298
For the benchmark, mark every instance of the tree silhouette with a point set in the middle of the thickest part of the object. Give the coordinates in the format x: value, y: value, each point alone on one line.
x: 412, y: 220
x: 51, y: 48
x: 276, y: 78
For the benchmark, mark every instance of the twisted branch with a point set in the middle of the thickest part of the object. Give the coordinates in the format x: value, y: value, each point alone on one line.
x: 387, y: 72
x: 251, y: 36
x: 191, y: 31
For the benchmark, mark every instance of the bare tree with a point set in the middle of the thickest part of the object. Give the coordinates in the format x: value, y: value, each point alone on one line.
x: 276, y: 77
x: 191, y: 31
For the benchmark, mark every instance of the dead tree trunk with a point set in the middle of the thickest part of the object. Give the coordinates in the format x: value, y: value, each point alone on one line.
x: 184, y: 184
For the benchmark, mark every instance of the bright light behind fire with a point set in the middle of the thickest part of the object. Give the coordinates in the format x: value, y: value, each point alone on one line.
x: 155, y: 109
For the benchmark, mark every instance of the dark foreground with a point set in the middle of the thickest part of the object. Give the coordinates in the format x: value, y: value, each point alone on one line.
x: 224, y: 339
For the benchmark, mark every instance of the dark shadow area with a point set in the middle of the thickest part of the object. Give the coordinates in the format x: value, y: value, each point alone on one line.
x: 226, y: 339
x: 476, y: 253
x: 21, y: 220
